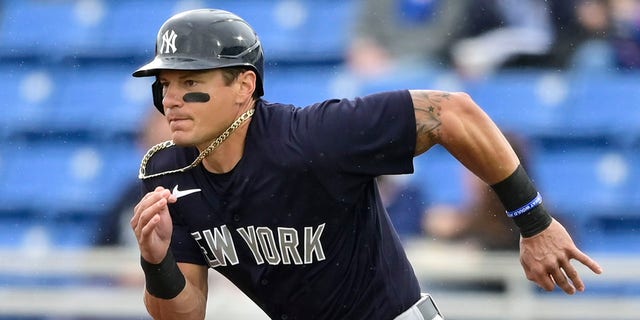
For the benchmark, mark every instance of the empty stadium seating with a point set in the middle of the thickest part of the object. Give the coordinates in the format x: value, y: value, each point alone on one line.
x: 54, y: 177
x: 98, y: 100
x: 304, y: 29
x: 71, y: 111
x: 534, y: 103
x: 27, y: 92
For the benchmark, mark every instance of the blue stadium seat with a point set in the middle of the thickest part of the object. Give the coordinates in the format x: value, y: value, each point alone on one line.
x: 299, y: 85
x: 290, y: 31
x: 440, y: 176
x: 582, y: 182
x: 297, y: 31
x: 51, y: 29
x: 612, y: 235
x: 531, y: 103
x: 40, y: 233
x: 131, y: 27
x: 605, y: 104
x: 56, y: 30
x: 27, y: 91
x: 57, y: 178
x: 104, y: 100
x: 633, y: 187
x: 415, y: 78
x: 618, y: 230
x: 13, y: 231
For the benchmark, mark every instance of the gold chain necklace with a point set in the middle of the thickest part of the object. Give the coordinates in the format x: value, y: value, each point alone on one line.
x: 214, y: 145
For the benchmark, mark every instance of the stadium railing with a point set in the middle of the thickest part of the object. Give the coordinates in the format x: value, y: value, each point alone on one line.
x: 107, y: 284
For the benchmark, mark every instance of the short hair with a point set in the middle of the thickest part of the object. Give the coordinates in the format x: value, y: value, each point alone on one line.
x: 230, y: 74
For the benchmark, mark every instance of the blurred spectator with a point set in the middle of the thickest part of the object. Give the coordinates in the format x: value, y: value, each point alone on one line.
x: 477, y: 37
x: 593, y: 49
x: 405, y: 204
x: 626, y: 39
x: 499, y: 30
x: 480, y: 220
x: 395, y: 34
x: 114, y: 229
x: 606, y: 35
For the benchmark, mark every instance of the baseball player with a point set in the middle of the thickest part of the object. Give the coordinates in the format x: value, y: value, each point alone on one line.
x: 283, y: 200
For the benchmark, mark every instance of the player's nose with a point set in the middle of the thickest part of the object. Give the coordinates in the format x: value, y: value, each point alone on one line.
x: 172, y: 99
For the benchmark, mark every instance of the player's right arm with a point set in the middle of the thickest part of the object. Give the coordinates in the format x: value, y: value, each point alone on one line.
x: 172, y: 290
x: 190, y: 303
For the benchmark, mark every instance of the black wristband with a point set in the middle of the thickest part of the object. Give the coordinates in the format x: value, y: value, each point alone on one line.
x: 523, y: 203
x: 163, y: 280
x: 533, y: 222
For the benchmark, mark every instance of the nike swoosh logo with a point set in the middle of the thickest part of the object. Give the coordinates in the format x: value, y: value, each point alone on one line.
x: 181, y: 193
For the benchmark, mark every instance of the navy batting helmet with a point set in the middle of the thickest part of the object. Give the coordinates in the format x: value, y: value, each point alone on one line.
x: 204, y: 39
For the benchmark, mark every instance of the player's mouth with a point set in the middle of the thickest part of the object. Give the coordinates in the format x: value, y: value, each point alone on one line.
x: 177, y: 122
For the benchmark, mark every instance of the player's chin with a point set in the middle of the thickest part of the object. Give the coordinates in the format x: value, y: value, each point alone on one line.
x: 182, y: 139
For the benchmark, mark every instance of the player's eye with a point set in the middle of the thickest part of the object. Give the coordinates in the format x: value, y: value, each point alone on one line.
x: 190, y: 83
x: 165, y: 86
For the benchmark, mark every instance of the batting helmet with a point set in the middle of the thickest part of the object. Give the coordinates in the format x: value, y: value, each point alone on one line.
x: 204, y: 39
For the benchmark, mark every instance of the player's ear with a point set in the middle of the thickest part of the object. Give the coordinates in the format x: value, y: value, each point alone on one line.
x: 247, y: 81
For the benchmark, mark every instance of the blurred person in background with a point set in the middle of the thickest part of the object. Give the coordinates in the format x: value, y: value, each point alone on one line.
x: 597, y: 35
x: 592, y: 49
x: 477, y: 38
x: 500, y: 30
x: 114, y: 228
x: 626, y: 38
x: 392, y: 35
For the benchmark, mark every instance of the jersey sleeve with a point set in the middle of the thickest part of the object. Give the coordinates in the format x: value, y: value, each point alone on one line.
x: 371, y: 135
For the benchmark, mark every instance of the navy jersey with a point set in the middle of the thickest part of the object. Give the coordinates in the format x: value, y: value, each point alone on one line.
x: 298, y: 224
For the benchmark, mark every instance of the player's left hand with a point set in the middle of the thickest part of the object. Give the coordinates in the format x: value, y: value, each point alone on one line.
x: 546, y: 257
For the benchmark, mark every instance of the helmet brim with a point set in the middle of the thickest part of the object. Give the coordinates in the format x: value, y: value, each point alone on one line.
x: 177, y: 63
x: 158, y: 64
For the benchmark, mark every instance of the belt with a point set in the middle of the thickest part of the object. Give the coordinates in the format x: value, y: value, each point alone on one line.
x: 424, y: 309
x: 428, y: 308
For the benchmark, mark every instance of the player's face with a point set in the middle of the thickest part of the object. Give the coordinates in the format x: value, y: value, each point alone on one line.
x: 197, y: 123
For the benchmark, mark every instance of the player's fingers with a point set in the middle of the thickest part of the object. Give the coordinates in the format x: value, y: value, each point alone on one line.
x: 587, y: 261
x: 545, y: 282
x: 147, y: 201
x: 157, y: 190
x: 151, y: 212
x: 149, y: 194
x: 144, y: 203
x: 573, y: 275
x: 561, y: 281
x: 148, y: 228
x: 539, y: 276
x: 172, y: 198
x: 143, y: 216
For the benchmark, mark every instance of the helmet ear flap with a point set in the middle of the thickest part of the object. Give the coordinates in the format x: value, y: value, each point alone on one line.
x: 156, y: 91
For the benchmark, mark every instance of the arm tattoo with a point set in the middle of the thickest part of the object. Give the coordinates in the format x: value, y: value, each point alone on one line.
x: 427, y: 105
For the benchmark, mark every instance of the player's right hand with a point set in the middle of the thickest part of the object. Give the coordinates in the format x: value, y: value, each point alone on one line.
x: 152, y: 224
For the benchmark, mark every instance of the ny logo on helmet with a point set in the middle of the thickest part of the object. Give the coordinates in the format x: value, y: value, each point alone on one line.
x: 168, y: 42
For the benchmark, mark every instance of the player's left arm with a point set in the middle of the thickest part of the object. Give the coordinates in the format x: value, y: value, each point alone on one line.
x: 453, y: 120
x: 456, y: 122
